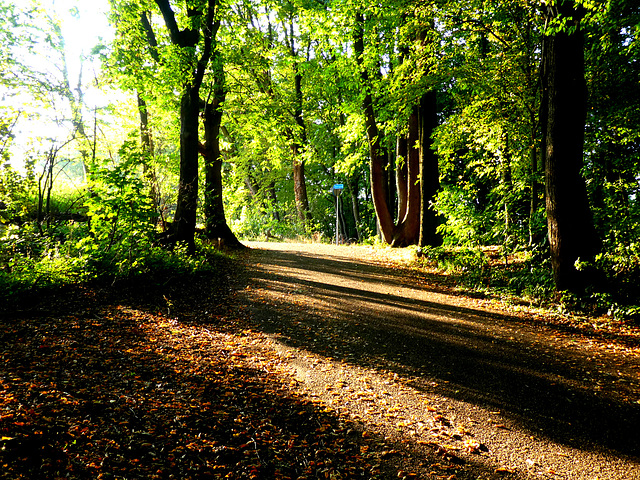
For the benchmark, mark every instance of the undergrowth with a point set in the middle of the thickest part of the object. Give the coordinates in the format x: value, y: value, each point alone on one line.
x: 526, y: 277
x: 35, y: 264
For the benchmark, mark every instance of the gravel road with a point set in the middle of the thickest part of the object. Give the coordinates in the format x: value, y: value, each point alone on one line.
x: 461, y: 388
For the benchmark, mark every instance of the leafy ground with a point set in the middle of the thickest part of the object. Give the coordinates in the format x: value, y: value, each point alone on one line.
x: 308, y: 362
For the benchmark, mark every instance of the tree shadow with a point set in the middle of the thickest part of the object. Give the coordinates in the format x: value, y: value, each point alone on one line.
x: 115, y: 389
x: 542, y: 389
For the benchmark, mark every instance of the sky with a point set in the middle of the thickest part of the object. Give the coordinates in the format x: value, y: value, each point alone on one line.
x: 84, y: 30
x: 84, y: 23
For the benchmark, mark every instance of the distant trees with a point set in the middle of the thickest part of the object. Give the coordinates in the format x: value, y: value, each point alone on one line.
x: 465, y: 123
x: 471, y: 119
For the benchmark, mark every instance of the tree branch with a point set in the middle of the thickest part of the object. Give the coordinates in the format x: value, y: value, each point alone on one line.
x: 151, y: 37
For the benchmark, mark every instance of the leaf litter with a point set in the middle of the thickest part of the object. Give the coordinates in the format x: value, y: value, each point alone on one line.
x: 123, y: 393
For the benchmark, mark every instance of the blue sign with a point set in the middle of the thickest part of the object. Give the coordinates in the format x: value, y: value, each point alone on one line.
x: 338, y: 186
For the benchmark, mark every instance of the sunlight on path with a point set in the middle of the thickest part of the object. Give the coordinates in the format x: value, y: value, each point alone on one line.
x: 429, y: 370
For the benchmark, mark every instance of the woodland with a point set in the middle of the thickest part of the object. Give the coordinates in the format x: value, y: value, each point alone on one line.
x: 477, y: 133
x: 495, y: 144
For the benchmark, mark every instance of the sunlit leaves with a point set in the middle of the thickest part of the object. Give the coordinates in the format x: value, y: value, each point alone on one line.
x: 121, y: 214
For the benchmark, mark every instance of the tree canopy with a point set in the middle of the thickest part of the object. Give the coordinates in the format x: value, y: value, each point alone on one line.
x: 464, y: 124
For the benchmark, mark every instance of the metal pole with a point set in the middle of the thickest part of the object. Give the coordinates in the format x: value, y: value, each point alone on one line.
x: 337, y: 216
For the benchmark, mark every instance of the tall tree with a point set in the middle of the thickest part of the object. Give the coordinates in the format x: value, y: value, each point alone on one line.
x: 187, y: 40
x: 416, y: 165
x: 185, y: 57
x: 572, y: 236
x: 216, y: 226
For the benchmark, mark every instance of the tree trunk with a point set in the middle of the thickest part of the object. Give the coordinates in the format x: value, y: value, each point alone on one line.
x: 402, y: 171
x: 572, y: 235
x: 352, y: 185
x: 300, y: 187
x: 216, y: 226
x: 407, y: 231
x: 429, y: 172
x: 184, y: 220
x: 377, y: 152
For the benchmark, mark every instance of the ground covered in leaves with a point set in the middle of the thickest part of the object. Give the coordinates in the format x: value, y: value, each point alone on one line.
x: 273, y: 368
x: 104, y: 383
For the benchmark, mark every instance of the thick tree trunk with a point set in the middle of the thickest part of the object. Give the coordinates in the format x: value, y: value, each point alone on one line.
x: 300, y: 187
x: 184, y: 223
x: 377, y: 152
x: 407, y: 231
x: 216, y: 227
x: 572, y: 235
x: 429, y: 172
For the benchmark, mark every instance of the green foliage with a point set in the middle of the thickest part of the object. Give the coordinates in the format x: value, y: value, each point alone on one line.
x: 525, y: 277
x: 622, y: 268
x: 122, y: 215
x: 15, y: 193
x: 31, y: 260
x: 455, y: 260
x: 464, y: 224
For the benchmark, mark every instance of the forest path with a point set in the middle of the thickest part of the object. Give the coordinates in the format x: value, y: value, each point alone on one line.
x: 460, y: 386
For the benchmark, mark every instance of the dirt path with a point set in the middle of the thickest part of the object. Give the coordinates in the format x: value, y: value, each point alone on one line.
x: 458, y: 388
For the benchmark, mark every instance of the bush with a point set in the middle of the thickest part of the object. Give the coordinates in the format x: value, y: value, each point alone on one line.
x: 117, y: 243
x: 452, y: 259
x: 15, y: 193
x: 122, y: 217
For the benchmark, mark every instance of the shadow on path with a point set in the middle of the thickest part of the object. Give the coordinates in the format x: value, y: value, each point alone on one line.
x: 375, y: 316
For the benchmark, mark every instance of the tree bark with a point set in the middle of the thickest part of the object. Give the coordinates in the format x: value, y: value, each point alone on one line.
x: 407, y: 231
x: 184, y: 220
x: 402, y: 171
x: 300, y: 187
x: 572, y: 235
x: 216, y: 226
x: 352, y: 184
x: 429, y: 172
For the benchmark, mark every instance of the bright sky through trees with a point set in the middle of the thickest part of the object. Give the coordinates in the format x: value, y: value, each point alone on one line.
x: 83, y: 25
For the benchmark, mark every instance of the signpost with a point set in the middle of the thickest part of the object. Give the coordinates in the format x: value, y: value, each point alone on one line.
x: 337, y: 190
